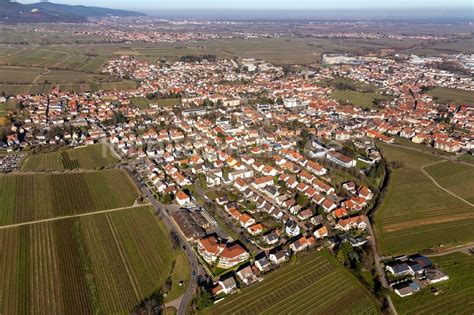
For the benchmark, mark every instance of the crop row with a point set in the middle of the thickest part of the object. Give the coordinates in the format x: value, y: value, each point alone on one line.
x: 33, y: 197
x: 78, y: 265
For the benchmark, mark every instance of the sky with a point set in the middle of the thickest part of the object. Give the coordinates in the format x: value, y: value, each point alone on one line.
x: 268, y: 4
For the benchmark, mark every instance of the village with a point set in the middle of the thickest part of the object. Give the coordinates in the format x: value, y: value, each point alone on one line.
x: 254, y: 163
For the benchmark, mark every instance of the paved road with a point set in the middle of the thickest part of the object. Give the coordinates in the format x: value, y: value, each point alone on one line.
x: 73, y: 216
x: 378, y: 266
x: 166, y: 219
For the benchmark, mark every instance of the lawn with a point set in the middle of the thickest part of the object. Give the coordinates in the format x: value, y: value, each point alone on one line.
x: 455, y: 293
x: 312, y: 284
x: 358, y: 99
x: 34, y: 197
x: 456, y: 177
x: 448, y: 95
x: 89, y: 157
x: 181, y: 272
x: 99, y: 264
x: 416, y: 215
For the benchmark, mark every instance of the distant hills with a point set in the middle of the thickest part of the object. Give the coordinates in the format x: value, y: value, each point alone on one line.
x: 47, y: 12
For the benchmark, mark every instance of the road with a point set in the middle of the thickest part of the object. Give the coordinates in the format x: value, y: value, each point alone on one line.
x: 378, y: 266
x: 166, y: 219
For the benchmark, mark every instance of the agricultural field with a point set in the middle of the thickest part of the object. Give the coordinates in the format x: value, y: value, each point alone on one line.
x: 98, y: 264
x: 18, y: 74
x: 415, y: 214
x: 140, y: 102
x: 455, y: 177
x: 28, y: 198
x: 358, y: 99
x: 313, y: 284
x: 47, y: 58
x: 454, y: 293
x: 14, y: 89
x: 448, y: 95
x: 95, y: 156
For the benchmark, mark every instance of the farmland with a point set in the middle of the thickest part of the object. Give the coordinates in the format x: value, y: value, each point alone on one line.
x: 455, y: 293
x: 313, y: 284
x: 91, y: 157
x: 457, y: 178
x: 101, y: 264
x: 28, y: 198
x: 415, y: 214
x: 452, y: 95
x: 45, y: 58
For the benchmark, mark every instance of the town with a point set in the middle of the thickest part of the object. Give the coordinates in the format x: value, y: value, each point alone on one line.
x: 254, y: 163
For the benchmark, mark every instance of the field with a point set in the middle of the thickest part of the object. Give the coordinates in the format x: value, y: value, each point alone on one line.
x: 46, y: 58
x: 359, y: 99
x: 98, y: 264
x: 140, y: 102
x: 28, y: 198
x: 91, y: 157
x: 415, y: 214
x: 455, y: 293
x: 4, y: 107
x: 452, y: 95
x: 457, y: 178
x: 314, y: 284
x: 166, y: 101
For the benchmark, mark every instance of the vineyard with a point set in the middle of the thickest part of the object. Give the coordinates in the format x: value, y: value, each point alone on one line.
x: 91, y: 157
x: 415, y: 214
x: 34, y: 197
x: 102, y: 264
x: 315, y: 284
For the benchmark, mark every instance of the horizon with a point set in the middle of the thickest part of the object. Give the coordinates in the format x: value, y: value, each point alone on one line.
x: 140, y: 5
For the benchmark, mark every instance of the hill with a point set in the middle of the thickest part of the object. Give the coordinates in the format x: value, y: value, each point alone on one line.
x: 47, y: 12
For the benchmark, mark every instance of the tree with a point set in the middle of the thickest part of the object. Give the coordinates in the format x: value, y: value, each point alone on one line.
x: 204, y: 300
x: 345, y: 253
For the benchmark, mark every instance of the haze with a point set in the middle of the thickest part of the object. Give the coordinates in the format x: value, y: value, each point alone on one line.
x: 270, y: 4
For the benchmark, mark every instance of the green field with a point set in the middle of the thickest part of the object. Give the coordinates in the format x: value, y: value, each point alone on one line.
x: 313, y: 284
x: 415, y: 214
x: 457, y: 178
x: 98, y: 264
x: 140, y: 102
x: 166, y: 102
x: 359, y: 99
x: 456, y: 293
x: 448, y: 95
x: 34, y: 197
x: 91, y: 157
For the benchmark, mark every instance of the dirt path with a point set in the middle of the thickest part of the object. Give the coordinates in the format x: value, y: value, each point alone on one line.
x: 441, y: 187
x: 39, y: 76
x: 462, y: 248
x: 72, y: 216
